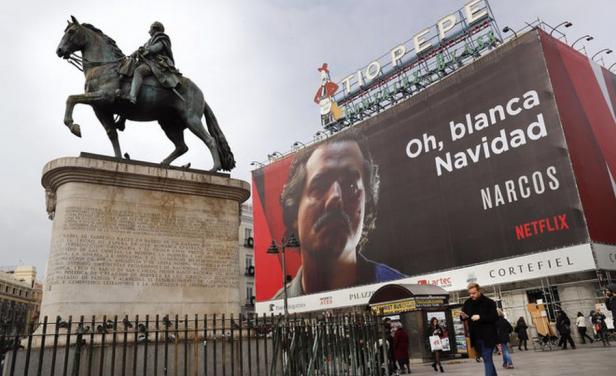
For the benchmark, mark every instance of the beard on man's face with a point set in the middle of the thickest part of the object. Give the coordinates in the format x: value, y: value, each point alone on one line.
x: 329, y: 235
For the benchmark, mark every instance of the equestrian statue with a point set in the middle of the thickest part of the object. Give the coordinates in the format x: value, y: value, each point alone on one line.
x: 145, y: 86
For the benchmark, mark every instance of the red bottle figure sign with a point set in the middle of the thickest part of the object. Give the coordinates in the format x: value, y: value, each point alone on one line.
x: 330, y: 112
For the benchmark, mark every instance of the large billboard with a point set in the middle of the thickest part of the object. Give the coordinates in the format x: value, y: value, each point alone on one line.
x: 473, y: 169
x: 585, y: 94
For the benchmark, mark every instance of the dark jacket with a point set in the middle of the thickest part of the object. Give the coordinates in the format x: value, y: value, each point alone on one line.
x: 563, y: 324
x: 484, y: 328
x: 610, y: 303
x: 368, y: 272
x: 520, y: 329
x: 160, y: 60
x: 401, y: 344
x: 598, y: 318
x: 503, y: 330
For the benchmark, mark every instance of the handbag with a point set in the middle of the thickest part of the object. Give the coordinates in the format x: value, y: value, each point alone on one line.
x: 435, y: 343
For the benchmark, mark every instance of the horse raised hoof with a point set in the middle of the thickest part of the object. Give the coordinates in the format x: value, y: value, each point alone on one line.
x: 75, y: 129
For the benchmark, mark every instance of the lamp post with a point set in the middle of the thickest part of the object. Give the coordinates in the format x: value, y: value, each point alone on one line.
x: 273, y: 249
x: 586, y: 37
x: 564, y: 23
x: 298, y: 144
x: 507, y: 29
x: 606, y: 50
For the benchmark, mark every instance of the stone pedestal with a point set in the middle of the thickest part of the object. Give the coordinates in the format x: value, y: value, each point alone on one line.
x: 135, y: 238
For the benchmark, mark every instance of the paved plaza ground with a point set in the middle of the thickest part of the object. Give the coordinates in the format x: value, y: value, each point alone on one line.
x: 586, y: 360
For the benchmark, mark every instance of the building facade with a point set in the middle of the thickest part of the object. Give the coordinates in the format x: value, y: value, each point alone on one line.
x: 19, y: 296
x: 500, y: 173
x: 246, y: 262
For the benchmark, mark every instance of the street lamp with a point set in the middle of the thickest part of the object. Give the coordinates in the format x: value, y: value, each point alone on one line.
x: 256, y: 164
x: 606, y: 50
x: 290, y: 242
x: 586, y: 37
x: 274, y: 155
x: 298, y: 144
x: 565, y: 24
x: 507, y: 29
x: 319, y: 135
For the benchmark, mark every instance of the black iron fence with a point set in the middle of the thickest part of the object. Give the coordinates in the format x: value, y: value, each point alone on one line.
x: 197, y: 345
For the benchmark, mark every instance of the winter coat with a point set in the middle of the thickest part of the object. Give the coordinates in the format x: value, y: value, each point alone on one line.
x: 610, y: 303
x: 401, y: 344
x: 484, y: 328
x: 598, y: 319
x: 520, y: 329
x: 563, y: 324
x: 503, y: 330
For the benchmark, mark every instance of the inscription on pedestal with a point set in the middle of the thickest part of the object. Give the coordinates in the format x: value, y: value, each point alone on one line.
x: 143, y: 248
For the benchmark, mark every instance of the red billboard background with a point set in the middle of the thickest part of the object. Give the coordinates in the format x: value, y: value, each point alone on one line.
x: 586, y: 96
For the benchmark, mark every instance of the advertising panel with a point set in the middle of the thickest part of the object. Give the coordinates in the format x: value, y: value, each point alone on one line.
x: 473, y: 169
x: 585, y: 94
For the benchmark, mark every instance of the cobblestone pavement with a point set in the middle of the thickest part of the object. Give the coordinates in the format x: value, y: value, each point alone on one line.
x: 586, y: 360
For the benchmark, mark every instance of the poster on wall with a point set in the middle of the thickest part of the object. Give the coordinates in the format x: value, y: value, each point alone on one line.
x: 442, y: 322
x: 471, y: 170
x: 458, y: 331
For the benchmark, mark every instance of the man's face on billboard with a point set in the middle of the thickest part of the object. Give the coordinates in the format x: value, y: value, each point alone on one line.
x: 331, y: 209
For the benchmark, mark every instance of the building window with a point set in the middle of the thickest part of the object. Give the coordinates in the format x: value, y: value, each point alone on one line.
x: 248, y: 240
x: 250, y: 268
x: 248, y: 292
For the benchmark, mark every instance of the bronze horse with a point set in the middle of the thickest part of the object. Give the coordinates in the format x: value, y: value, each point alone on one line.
x: 100, y: 57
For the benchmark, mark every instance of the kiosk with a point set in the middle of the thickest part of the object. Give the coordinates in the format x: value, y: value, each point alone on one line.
x: 414, y: 306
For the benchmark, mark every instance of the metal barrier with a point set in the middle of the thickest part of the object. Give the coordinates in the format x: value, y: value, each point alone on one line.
x: 200, y: 345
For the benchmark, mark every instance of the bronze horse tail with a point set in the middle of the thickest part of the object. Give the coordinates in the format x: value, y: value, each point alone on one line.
x: 227, y: 160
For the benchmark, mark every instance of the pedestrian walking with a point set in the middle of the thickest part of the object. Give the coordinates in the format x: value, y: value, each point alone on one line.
x: 401, y: 348
x: 480, y: 311
x: 521, y: 330
x: 387, y: 348
x: 563, y: 324
x: 598, y: 321
x: 503, y: 333
x: 434, y: 329
x: 580, y: 323
x: 610, y: 301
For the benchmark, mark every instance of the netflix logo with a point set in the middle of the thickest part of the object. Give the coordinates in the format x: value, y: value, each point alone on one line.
x: 541, y: 226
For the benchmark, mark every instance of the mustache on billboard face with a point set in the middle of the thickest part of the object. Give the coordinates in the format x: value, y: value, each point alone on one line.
x: 332, y: 216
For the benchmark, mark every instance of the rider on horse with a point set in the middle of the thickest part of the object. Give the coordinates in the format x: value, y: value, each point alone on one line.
x: 153, y: 58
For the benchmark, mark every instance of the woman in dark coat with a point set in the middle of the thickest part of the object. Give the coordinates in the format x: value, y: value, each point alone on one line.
x: 598, y: 320
x: 520, y: 329
x: 503, y: 334
x: 435, y: 330
x: 401, y: 347
x: 563, y: 324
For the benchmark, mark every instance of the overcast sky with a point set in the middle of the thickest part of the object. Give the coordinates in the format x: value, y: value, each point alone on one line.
x: 256, y: 62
